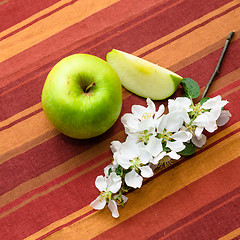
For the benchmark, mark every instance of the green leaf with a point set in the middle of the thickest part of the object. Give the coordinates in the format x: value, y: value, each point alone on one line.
x: 204, y: 100
x: 190, y: 88
x: 188, y: 150
x: 109, y: 171
x: 119, y: 170
x: 166, y: 149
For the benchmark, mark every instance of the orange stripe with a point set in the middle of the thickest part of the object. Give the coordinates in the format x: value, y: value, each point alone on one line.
x: 189, y: 171
x: 60, y: 170
x: 23, y: 133
x: 71, y: 164
x: 185, y: 28
x: 200, y: 216
x: 43, y: 130
x: 36, y: 129
x: 53, y: 188
x: 231, y: 235
x: 3, y: 2
x: 202, y: 53
x: 230, y: 91
x: 54, y: 225
x: 53, y: 24
x: 195, y: 45
x: 74, y: 162
x: 33, y: 17
x: 20, y: 115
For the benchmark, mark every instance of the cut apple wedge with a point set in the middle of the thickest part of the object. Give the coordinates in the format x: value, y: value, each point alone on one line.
x: 143, y: 78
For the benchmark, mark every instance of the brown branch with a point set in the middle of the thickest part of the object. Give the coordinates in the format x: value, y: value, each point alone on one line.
x: 216, y: 71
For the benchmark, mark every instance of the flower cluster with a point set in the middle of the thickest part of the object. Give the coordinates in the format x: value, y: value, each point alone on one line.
x: 154, y: 139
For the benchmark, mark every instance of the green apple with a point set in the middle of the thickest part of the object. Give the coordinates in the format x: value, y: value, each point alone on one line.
x: 143, y: 78
x: 82, y: 96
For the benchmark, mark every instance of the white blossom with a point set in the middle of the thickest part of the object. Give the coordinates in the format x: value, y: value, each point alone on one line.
x: 141, y: 123
x: 155, y: 139
x: 135, y: 158
x: 107, y: 186
x: 170, y: 133
x: 180, y: 106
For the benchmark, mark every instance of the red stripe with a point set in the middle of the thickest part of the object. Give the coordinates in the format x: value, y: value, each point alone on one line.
x: 66, y: 176
x: 167, y: 231
x: 202, y: 69
x: 65, y: 225
x: 37, y: 19
x: 79, y: 192
x: 206, y: 64
x: 162, y: 215
x: 132, y: 42
x: 54, y: 155
x: 189, y: 31
x: 55, y: 182
x: 20, y: 119
x: 49, y: 208
x: 10, y: 14
x: 236, y: 238
x: 55, y: 151
x: 76, y: 34
x: 227, y: 88
x: 86, y: 165
x: 213, y: 226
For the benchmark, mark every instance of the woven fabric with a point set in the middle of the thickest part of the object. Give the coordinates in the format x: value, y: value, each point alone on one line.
x: 47, y: 179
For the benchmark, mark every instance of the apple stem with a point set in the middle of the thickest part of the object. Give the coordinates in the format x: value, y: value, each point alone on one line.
x: 86, y: 90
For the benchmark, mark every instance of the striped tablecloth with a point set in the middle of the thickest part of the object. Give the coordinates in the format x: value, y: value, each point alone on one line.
x: 47, y: 179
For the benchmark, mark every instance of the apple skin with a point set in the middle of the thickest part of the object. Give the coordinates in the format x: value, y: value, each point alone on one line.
x: 73, y: 109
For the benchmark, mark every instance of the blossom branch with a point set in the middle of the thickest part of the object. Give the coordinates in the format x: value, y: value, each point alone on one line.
x: 155, y: 139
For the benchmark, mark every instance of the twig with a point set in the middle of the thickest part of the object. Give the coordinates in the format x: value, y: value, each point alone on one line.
x: 216, y: 71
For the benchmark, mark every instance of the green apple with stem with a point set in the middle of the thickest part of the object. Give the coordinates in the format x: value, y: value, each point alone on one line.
x: 142, y: 77
x: 82, y: 96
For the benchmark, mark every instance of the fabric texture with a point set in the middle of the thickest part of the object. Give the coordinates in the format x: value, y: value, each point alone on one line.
x: 47, y: 179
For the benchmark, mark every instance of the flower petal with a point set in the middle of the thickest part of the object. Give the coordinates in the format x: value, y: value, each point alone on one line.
x: 173, y: 155
x: 140, y: 111
x: 159, y: 112
x: 133, y: 179
x: 144, y: 156
x: 98, y: 203
x: 151, y: 106
x: 113, y: 208
x: 214, y: 102
x: 122, y: 160
x: 199, y: 142
x: 101, y: 183
x: 201, y: 120
x: 106, y: 169
x: 154, y: 146
x: 114, y: 182
x: 146, y: 172
x: 179, y: 103
x: 159, y: 157
x: 198, y: 131
x: 182, y: 136
x: 176, y: 146
x: 115, y: 146
x: 173, y: 122
x: 223, y: 118
x: 130, y: 122
x: 124, y: 198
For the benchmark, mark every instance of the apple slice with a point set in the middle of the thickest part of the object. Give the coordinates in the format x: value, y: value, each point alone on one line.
x: 143, y: 78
